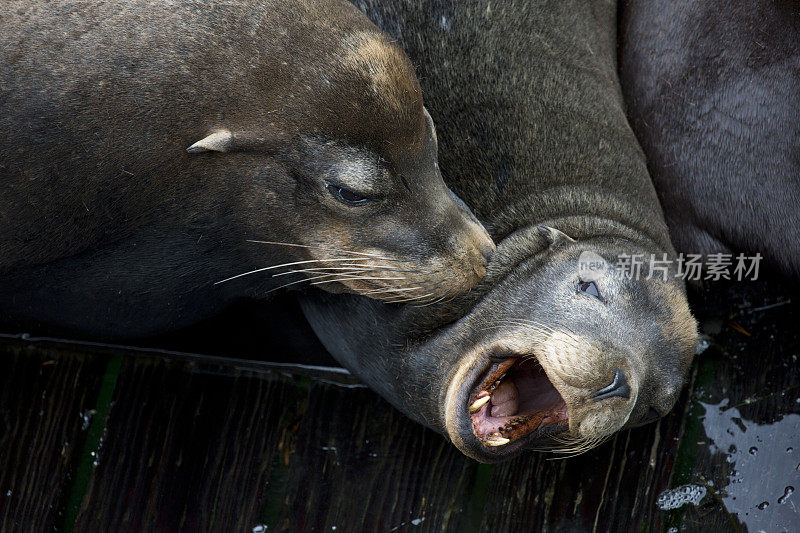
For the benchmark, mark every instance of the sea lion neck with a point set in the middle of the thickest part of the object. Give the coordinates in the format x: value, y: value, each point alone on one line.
x: 583, y: 211
x: 557, y: 122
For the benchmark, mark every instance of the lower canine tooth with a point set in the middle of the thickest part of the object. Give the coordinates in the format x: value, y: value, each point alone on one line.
x: 495, y: 439
x: 477, y: 404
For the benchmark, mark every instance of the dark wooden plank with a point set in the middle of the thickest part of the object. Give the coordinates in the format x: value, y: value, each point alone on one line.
x: 742, y: 432
x: 188, y: 445
x: 223, y: 444
x: 610, y: 488
x: 356, y: 464
x: 46, y: 401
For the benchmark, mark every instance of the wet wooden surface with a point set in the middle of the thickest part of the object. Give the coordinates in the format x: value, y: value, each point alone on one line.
x: 102, y: 439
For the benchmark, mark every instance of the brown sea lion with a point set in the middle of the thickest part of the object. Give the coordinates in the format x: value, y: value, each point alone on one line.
x: 308, y: 147
x: 558, y: 348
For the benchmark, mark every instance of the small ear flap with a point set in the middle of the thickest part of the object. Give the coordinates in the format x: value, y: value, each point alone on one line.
x: 554, y: 236
x: 429, y: 121
x: 219, y: 141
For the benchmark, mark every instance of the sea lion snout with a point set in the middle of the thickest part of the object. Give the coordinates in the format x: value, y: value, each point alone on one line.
x: 473, y: 239
x: 479, y: 248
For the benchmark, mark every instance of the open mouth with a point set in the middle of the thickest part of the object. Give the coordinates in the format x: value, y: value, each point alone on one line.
x: 513, y: 399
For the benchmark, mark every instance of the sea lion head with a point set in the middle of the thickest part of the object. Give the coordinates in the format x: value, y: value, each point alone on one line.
x: 338, y: 160
x: 577, y: 347
x: 554, y: 350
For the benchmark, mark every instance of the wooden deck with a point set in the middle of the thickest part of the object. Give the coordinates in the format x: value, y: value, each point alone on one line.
x: 100, y: 438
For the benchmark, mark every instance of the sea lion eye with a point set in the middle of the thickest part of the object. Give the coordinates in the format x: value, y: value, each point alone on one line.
x: 589, y: 288
x: 347, y: 196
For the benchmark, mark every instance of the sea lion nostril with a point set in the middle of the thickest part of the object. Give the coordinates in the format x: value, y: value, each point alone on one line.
x: 619, y: 387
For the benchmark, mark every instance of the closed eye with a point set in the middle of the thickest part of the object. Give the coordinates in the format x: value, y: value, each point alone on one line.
x: 347, y: 196
x: 589, y: 288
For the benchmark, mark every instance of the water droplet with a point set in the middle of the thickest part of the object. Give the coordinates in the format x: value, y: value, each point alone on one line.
x: 680, y: 496
x: 753, y: 450
x: 702, y: 346
x: 87, y: 419
x: 260, y: 528
x: 789, y: 449
x: 763, y: 505
x: 786, y: 493
x: 732, y: 449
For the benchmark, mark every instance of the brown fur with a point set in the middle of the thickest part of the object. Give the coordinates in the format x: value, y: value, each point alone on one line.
x: 99, y: 101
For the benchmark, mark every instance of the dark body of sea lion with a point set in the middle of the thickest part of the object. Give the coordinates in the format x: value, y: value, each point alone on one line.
x: 713, y: 94
x: 304, y: 125
x: 531, y: 115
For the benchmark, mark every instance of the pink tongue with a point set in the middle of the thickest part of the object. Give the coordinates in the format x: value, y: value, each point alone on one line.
x: 505, y: 399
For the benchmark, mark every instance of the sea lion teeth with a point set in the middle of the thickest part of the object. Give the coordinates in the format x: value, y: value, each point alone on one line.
x: 477, y: 404
x: 495, y: 439
x: 496, y: 383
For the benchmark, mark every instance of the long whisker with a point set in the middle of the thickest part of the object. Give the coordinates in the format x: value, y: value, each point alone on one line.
x: 411, y: 299
x: 322, y: 261
x: 317, y: 270
x: 437, y: 300
x: 403, y: 289
x: 423, y: 286
x: 348, y: 278
x: 285, y: 265
x: 399, y: 298
x: 304, y: 280
x: 388, y: 269
x: 327, y: 249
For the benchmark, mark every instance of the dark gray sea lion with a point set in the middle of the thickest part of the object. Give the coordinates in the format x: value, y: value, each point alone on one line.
x: 306, y: 132
x: 530, y: 112
x: 713, y: 94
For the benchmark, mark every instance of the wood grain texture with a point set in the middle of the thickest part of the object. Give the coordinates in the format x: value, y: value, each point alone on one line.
x: 214, y: 444
x: 356, y: 463
x: 187, y: 447
x: 742, y: 426
x: 44, y: 396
